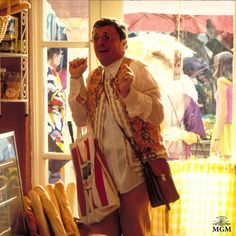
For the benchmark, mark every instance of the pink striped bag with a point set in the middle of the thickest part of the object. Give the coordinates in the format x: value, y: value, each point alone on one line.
x: 97, y: 195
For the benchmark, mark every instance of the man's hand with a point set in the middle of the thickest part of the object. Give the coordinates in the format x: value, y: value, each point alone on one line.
x: 77, y: 67
x: 124, y: 80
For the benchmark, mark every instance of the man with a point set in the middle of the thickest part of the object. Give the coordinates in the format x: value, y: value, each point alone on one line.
x: 56, y: 113
x: 122, y: 92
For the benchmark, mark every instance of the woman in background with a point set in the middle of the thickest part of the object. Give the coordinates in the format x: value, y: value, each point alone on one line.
x: 221, y: 143
x: 182, y: 124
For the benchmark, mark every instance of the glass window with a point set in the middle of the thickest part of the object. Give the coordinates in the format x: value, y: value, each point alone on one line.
x: 188, y: 38
x: 67, y: 27
x: 62, y: 24
x: 57, y: 83
x: 66, y: 20
x: 62, y: 35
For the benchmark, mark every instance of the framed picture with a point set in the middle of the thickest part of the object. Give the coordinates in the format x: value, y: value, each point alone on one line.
x: 11, y: 195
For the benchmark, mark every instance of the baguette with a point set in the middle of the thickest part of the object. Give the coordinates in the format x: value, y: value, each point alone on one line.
x: 31, y: 221
x: 26, y: 203
x: 50, y: 190
x: 50, y: 211
x: 70, y: 191
x: 39, y: 213
x: 30, y: 216
x: 65, y: 209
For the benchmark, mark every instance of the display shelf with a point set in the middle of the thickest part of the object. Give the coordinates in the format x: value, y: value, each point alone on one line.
x: 8, y: 230
x: 13, y: 100
x: 8, y: 201
x: 16, y: 60
x: 11, y: 54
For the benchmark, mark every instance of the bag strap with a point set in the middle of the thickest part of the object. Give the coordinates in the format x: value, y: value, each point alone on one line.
x: 133, y: 144
x: 176, y: 116
x: 179, y: 123
x: 201, y: 146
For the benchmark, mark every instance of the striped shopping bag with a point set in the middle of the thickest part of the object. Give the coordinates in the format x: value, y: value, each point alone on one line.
x: 97, y: 195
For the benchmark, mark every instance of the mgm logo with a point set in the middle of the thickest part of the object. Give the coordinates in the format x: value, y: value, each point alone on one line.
x: 221, y: 224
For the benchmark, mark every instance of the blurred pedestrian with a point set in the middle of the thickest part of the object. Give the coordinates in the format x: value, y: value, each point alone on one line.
x: 221, y: 142
x: 56, y: 113
x: 182, y: 124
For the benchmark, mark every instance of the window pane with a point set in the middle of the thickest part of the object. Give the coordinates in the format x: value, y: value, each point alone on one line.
x: 72, y: 54
x: 57, y: 83
x: 57, y: 115
x: 66, y: 20
x: 187, y: 39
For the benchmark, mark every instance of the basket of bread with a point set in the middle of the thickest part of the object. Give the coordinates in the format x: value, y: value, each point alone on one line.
x: 48, y: 211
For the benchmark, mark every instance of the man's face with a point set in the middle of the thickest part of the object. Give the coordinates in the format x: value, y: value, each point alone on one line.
x: 107, y: 45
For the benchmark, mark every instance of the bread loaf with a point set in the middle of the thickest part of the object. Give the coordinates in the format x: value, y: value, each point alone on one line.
x: 31, y: 221
x: 70, y: 191
x: 26, y: 203
x: 30, y: 216
x: 39, y: 213
x: 65, y: 209
x: 50, y: 211
x: 51, y: 193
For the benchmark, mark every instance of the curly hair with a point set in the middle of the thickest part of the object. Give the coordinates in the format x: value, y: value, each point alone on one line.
x: 119, y: 27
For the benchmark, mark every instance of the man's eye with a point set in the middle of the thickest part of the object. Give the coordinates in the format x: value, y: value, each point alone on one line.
x: 107, y: 37
x: 95, y: 38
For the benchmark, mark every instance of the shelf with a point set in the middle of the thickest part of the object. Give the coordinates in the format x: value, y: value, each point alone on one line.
x: 8, y: 201
x: 15, y: 59
x: 13, y: 100
x: 8, y: 163
x: 8, y: 230
x: 6, y: 54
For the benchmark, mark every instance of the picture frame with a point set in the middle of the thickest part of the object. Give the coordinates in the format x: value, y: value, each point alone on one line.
x: 11, y: 195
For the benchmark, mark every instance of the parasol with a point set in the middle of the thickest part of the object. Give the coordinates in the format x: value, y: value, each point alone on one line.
x: 195, y: 24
